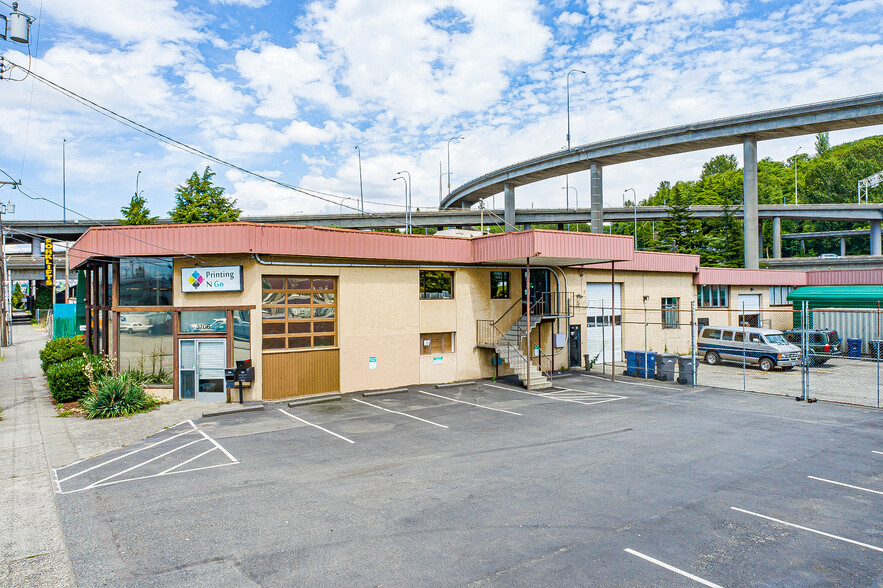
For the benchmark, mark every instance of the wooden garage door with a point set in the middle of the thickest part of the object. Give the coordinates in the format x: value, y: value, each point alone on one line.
x: 300, y: 372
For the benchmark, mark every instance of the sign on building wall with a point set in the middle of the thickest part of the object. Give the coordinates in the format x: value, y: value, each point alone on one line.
x: 212, y: 279
x: 49, y: 270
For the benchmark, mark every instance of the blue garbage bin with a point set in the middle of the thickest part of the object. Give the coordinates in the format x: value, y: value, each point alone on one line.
x: 853, y: 347
x: 634, y: 363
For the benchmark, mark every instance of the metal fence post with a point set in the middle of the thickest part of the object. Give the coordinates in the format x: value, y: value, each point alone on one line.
x: 744, y: 336
x: 694, y: 333
x: 804, y: 337
x: 878, y: 354
x: 645, y: 337
x: 603, y: 331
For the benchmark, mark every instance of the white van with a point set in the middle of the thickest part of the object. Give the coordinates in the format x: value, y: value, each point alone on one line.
x: 765, y: 347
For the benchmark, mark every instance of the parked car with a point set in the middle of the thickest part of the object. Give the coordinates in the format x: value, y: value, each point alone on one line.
x: 134, y: 327
x: 765, y: 347
x: 823, y: 345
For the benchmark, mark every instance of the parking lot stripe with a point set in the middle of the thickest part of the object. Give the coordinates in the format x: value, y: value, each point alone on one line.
x: 143, y: 463
x: 401, y: 413
x: 316, y: 426
x: 93, y: 487
x: 554, y: 397
x: 846, y: 485
x: 816, y: 531
x: 127, y: 454
x: 175, y: 467
x: 673, y: 569
x: 470, y: 403
x: 218, y: 445
x: 879, y: 452
x: 633, y: 383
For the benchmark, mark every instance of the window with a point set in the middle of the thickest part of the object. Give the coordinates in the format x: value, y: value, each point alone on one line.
x: 711, y: 334
x: 670, y: 313
x: 435, y: 285
x: 499, y: 284
x: 202, y: 321
x: 436, y: 343
x: 779, y: 295
x: 738, y: 337
x: 145, y: 281
x: 712, y: 296
x: 703, y: 322
x: 727, y: 336
x: 298, y: 312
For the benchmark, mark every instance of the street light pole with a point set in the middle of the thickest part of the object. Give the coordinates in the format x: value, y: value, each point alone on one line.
x: 361, y: 193
x: 64, y: 183
x: 408, y: 202
x: 407, y: 226
x: 635, y: 196
x: 795, y: 175
x: 449, y: 162
x: 566, y: 176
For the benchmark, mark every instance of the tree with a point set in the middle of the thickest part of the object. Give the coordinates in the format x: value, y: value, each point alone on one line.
x: 718, y: 165
x: 823, y: 143
x: 680, y: 230
x: 137, y: 213
x: 198, y: 201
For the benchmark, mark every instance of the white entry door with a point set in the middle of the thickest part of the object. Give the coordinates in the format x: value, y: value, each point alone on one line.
x: 599, y: 299
x: 201, y: 364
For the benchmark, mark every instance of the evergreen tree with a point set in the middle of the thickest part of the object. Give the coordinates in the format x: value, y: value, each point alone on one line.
x: 823, y: 143
x: 198, y: 201
x: 137, y: 213
x: 680, y: 231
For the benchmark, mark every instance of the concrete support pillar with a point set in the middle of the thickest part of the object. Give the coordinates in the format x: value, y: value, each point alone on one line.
x: 597, y: 217
x: 875, y: 238
x: 749, y: 202
x: 509, y: 207
x: 802, y: 246
x: 36, y: 243
x: 842, y: 246
x: 777, y: 237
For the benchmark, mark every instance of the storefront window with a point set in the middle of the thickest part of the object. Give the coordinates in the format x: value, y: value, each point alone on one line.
x: 203, y: 321
x: 299, y: 312
x: 145, y: 281
x: 241, y: 334
x: 146, y: 341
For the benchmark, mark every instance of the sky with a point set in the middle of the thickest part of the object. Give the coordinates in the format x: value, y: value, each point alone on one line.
x: 289, y: 89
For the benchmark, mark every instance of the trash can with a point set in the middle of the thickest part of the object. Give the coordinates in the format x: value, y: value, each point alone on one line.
x: 634, y: 363
x: 666, y: 363
x: 875, y: 348
x: 685, y: 369
x: 853, y: 347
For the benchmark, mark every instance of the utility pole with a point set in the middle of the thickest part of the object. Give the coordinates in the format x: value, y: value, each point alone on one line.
x: 4, y: 323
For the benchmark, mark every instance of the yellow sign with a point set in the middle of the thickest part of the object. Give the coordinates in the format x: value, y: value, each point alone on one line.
x: 47, y: 261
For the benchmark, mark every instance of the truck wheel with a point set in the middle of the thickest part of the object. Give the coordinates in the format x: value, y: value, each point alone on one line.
x: 765, y: 364
x: 712, y: 358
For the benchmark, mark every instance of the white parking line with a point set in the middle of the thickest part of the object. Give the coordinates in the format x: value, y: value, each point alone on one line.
x: 316, y: 426
x: 401, y: 413
x: 879, y: 452
x: 143, y: 463
x: 817, y: 532
x: 553, y: 397
x: 673, y: 569
x: 846, y: 485
x: 125, y: 454
x: 470, y: 403
x: 220, y: 465
x: 630, y: 382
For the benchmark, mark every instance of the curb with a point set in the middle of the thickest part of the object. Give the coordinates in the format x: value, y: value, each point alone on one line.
x: 454, y: 384
x: 383, y: 392
x: 314, y: 400
x: 233, y: 411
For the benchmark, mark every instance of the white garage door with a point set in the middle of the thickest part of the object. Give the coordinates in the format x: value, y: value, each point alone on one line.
x: 750, y: 302
x: 599, y: 299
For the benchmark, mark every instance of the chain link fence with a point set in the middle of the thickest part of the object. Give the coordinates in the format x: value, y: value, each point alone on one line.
x: 816, y: 354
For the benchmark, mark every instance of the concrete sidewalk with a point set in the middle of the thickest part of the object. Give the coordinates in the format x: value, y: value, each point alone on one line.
x: 33, y: 440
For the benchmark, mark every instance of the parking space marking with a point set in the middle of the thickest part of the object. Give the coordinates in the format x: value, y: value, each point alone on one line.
x: 470, y: 403
x: 879, y: 452
x: 846, y: 485
x: 143, y: 463
x: 554, y: 397
x: 673, y: 569
x: 316, y: 426
x: 630, y: 382
x: 124, y: 455
x: 401, y: 413
x: 816, y: 531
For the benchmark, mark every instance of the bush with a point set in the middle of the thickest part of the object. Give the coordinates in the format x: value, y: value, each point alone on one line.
x: 61, y: 349
x: 117, y: 396
x: 70, y: 380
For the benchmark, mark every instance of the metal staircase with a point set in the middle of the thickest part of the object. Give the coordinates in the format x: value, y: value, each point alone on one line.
x: 508, y: 348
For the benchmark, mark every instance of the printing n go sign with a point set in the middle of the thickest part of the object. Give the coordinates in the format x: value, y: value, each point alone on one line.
x: 212, y: 279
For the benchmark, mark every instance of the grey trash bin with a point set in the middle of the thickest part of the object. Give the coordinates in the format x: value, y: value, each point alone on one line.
x: 685, y: 369
x: 665, y: 366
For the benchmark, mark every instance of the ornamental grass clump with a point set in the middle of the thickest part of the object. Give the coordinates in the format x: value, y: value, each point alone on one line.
x: 117, y: 396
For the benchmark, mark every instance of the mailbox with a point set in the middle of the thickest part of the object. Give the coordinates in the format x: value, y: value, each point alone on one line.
x: 243, y: 372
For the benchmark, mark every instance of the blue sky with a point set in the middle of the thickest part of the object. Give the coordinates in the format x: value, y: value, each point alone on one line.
x: 288, y: 89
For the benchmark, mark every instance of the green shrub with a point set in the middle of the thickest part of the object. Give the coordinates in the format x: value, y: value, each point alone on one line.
x: 61, y: 349
x: 70, y: 380
x: 45, y: 297
x: 117, y: 396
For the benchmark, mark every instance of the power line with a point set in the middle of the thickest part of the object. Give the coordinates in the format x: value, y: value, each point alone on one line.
x: 178, y: 144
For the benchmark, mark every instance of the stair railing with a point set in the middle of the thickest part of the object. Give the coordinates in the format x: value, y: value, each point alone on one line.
x: 486, y: 328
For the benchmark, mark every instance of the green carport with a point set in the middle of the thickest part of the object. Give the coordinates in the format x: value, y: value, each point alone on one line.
x: 837, y: 296
x: 829, y: 308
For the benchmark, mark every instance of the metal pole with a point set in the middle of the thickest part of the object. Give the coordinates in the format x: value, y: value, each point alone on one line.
x: 613, y: 321
x: 529, y: 356
x: 693, y: 335
x: 744, y: 336
x: 804, y: 337
x: 361, y: 193
x: 645, y: 335
x: 4, y: 341
x: 567, y: 78
x: 878, y: 354
x: 603, y: 351
x: 67, y: 274
x: 795, y: 176
x: 64, y: 183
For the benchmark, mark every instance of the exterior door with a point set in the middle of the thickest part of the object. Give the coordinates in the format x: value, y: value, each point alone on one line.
x: 598, y: 331
x: 750, y: 316
x: 201, y: 364
x: 576, y: 346
x: 540, y: 284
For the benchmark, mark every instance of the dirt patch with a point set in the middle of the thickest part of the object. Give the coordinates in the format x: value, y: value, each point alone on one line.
x: 66, y: 409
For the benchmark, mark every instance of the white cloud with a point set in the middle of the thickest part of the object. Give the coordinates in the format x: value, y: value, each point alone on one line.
x: 246, y: 3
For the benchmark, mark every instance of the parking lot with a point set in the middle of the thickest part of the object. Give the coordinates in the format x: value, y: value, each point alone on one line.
x: 590, y: 483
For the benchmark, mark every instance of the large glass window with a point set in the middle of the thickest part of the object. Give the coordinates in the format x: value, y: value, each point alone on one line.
x: 435, y: 285
x: 779, y: 295
x: 145, y: 281
x: 436, y: 343
x: 299, y: 312
x: 670, y: 313
x: 203, y: 321
x: 146, y: 341
x: 712, y: 296
x: 499, y: 284
x: 241, y: 334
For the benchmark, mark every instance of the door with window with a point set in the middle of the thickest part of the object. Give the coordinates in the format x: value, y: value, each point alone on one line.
x: 601, y: 339
x: 201, y: 364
